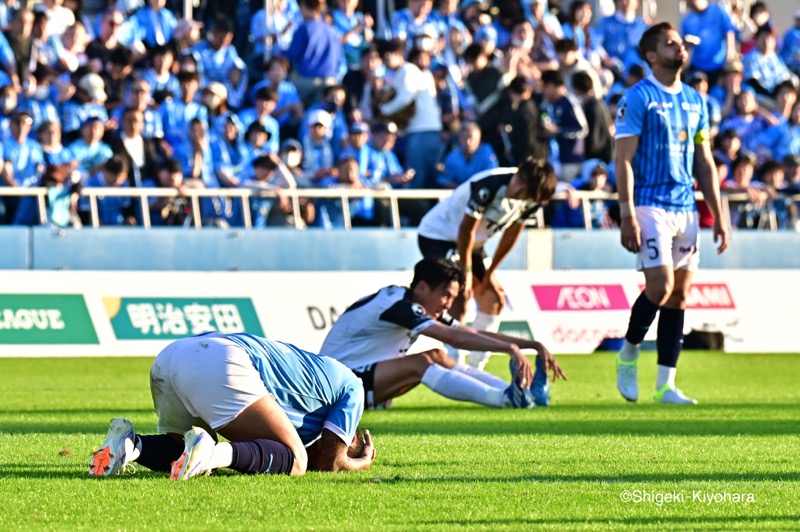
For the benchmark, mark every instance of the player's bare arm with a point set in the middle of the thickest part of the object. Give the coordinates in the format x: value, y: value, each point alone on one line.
x: 463, y: 337
x: 330, y: 453
x: 630, y: 234
x: 466, y: 243
x: 705, y: 172
x: 507, y: 242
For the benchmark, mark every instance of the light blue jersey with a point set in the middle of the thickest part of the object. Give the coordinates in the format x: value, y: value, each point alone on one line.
x: 315, y: 391
x: 669, y: 124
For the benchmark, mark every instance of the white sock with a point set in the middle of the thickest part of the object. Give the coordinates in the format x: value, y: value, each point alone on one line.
x: 666, y: 375
x: 222, y: 455
x: 629, y: 351
x: 483, y: 322
x: 461, y: 387
x: 483, y: 376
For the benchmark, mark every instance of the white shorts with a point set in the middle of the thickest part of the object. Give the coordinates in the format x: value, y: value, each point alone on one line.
x: 204, y: 381
x: 668, y: 239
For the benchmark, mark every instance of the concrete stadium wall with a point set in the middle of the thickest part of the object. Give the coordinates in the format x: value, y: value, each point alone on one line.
x: 356, y: 250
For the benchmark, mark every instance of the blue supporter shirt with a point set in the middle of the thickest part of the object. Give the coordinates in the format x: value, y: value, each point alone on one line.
x: 316, y: 392
x: 217, y: 63
x: 620, y: 37
x: 150, y: 22
x: 109, y: 209
x: 175, y: 119
x: 26, y: 159
x: 767, y: 70
x: 168, y: 83
x: 74, y: 113
x: 712, y: 26
x: 287, y: 95
x: 386, y: 164
x: 315, y: 51
x: 668, y: 124
x: 248, y: 116
x: 89, y: 156
x: 457, y: 168
x: 790, y: 50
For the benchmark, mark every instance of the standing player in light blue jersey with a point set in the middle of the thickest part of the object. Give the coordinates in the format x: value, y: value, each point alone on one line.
x: 661, y: 123
x: 283, y: 409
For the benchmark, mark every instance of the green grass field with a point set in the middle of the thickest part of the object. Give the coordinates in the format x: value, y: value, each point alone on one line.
x: 440, y: 464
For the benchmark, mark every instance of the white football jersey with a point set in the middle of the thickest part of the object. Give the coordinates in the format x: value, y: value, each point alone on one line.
x: 483, y: 197
x: 378, y: 327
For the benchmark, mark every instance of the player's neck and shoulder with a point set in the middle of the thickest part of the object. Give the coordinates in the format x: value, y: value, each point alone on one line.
x: 650, y: 88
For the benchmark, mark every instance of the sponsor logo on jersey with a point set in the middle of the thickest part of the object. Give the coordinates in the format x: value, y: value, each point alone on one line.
x: 580, y: 297
x: 418, y: 309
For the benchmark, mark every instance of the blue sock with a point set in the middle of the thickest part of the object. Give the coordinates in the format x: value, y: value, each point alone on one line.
x: 158, y: 451
x: 670, y: 336
x: 643, y: 313
x: 261, y: 456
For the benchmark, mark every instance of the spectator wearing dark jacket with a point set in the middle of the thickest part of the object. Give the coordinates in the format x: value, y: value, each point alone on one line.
x: 599, y: 143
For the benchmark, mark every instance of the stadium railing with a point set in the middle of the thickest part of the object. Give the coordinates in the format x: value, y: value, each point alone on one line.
x: 393, y: 197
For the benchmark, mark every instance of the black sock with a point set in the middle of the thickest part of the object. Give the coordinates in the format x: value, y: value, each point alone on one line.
x: 261, y: 456
x: 159, y: 451
x: 643, y: 313
x: 670, y: 336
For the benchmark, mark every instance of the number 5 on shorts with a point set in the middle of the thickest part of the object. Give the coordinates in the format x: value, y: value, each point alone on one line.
x: 651, y: 245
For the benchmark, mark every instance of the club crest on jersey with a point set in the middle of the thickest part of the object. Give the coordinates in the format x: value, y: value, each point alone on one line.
x: 418, y: 309
x: 621, y: 112
x: 683, y: 135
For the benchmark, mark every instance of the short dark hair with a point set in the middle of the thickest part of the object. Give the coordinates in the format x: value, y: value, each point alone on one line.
x: 540, y: 178
x: 582, y: 82
x: 473, y: 52
x: 436, y: 272
x: 121, y: 55
x: 649, y: 40
x: 183, y: 76
x: 269, y: 94
x: 764, y: 30
x: 566, y: 45
x: 552, y: 77
x: 771, y: 165
x: 266, y: 162
x: 116, y: 165
x: 518, y: 85
x: 171, y: 166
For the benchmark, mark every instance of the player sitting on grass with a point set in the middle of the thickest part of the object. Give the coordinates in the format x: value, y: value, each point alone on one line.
x: 374, y: 334
x: 283, y: 409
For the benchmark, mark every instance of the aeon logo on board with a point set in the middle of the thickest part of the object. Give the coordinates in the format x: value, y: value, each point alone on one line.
x: 577, y: 297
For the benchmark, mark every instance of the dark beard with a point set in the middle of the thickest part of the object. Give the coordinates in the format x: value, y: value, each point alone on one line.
x: 673, y: 64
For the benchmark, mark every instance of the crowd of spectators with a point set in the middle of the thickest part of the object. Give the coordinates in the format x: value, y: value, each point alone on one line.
x: 316, y: 95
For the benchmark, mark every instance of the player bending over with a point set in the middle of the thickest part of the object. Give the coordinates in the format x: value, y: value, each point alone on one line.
x: 374, y: 334
x: 489, y: 203
x: 283, y: 409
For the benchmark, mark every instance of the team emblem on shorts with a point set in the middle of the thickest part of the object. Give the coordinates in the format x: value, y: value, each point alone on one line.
x: 483, y: 194
x: 419, y: 310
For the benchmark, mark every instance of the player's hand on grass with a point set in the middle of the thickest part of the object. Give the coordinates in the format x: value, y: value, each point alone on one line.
x: 630, y: 234
x: 523, y: 372
x: 550, y: 363
x: 720, y: 235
